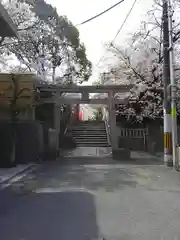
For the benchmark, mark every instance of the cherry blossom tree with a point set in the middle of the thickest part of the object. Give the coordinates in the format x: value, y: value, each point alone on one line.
x: 141, y: 63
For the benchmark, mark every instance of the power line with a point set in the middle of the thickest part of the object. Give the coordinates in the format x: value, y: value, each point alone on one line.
x: 120, y: 29
x: 100, y: 14
x: 122, y: 25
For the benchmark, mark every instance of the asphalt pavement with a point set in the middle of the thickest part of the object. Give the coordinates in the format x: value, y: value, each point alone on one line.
x: 91, y: 202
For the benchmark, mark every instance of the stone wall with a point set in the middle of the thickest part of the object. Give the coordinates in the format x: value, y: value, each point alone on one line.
x: 134, y: 144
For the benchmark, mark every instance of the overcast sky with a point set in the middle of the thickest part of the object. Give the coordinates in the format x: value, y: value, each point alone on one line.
x: 103, y: 29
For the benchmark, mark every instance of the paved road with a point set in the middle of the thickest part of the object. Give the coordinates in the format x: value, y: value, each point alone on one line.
x: 118, y: 202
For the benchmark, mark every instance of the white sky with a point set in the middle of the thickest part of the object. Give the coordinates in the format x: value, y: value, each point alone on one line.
x: 103, y: 29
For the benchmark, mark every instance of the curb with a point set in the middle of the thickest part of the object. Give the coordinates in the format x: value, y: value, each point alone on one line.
x: 27, y: 169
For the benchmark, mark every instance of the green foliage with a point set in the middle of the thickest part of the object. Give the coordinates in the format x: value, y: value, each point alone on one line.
x: 68, y: 33
x: 46, y: 41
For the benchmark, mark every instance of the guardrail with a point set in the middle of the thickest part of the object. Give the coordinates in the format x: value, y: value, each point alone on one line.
x: 107, y: 125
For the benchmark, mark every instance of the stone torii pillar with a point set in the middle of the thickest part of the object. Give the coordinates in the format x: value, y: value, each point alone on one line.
x: 57, y: 118
x: 112, y: 121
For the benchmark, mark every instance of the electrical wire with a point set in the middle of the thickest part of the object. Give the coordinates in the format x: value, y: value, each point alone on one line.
x: 123, y: 23
x: 120, y: 29
x: 100, y: 14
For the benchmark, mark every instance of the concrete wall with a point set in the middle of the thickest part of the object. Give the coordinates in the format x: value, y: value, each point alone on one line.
x: 134, y: 144
x: 27, y: 114
x: 30, y: 144
x: 28, y: 141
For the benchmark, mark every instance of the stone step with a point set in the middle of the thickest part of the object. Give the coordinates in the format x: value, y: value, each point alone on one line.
x: 88, y: 122
x: 89, y: 133
x: 88, y: 126
x: 88, y: 129
x: 92, y: 145
x: 91, y: 137
x: 90, y: 140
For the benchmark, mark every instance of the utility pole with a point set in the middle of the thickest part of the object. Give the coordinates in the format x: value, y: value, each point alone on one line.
x: 168, y: 159
x: 173, y: 91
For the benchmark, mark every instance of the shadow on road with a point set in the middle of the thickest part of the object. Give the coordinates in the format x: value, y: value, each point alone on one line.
x: 104, y: 161
x: 48, y: 216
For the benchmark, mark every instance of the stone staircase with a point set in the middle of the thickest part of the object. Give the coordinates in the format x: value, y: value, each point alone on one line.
x: 90, y: 134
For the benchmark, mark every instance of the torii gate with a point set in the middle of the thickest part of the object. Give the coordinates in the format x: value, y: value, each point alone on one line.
x: 110, y: 101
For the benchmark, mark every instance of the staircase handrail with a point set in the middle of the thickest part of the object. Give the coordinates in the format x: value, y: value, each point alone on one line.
x: 107, y: 126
